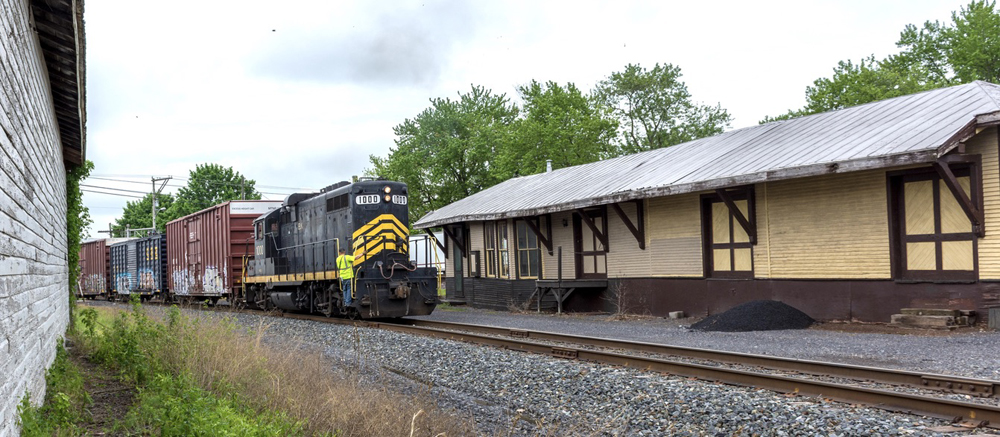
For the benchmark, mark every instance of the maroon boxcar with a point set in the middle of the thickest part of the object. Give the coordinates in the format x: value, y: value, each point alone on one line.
x: 95, y: 269
x: 206, y: 249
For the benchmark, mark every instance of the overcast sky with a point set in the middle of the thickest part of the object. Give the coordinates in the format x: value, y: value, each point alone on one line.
x: 298, y: 94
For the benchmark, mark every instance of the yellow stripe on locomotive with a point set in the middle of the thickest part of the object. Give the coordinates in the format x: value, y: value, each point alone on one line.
x: 381, y: 233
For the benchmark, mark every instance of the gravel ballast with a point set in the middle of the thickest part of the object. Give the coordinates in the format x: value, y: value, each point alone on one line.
x: 512, y: 393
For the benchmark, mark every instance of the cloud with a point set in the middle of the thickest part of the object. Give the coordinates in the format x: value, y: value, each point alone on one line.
x: 407, y: 45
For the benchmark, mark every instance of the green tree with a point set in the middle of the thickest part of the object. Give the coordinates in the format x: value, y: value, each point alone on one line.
x: 209, y: 185
x: 447, y: 152
x: 138, y: 214
x: 933, y: 56
x: 972, y: 43
x: 561, y: 124
x: 867, y: 81
x: 655, y: 110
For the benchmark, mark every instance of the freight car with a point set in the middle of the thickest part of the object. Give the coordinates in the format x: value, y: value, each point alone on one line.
x: 139, y: 267
x: 294, y: 266
x: 205, y: 250
x: 95, y: 280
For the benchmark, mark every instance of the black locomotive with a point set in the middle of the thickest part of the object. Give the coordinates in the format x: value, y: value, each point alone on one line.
x: 294, y: 266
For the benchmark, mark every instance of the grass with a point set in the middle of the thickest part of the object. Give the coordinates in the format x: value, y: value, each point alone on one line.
x: 206, y: 376
x: 65, y: 401
x: 445, y: 306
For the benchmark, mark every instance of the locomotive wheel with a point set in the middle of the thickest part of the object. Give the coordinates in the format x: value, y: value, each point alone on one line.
x: 352, y: 314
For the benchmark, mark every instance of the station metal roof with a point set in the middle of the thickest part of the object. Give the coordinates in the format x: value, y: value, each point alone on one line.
x: 917, y: 128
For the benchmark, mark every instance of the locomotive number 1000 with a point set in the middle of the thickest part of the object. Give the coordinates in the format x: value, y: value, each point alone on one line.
x: 366, y: 199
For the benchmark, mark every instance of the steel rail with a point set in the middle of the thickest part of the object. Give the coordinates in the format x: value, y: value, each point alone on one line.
x: 931, y: 381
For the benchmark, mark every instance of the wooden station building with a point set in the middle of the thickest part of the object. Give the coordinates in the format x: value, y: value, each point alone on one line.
x: 846, y: 215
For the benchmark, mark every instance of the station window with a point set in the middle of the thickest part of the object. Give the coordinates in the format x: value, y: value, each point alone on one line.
x: 728, y: 250
x: 503, y: 250
x: 590, y: 251
x: 933, y: 237
x: 496, y: 246
x: 490, y: 248
x: 528, y: 255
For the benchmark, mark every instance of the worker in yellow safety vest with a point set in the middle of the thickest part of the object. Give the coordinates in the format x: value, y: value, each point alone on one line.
x: 345, y: 263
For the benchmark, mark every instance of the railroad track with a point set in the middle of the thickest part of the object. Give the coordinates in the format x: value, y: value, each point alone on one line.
x: 813, y: 376
x: 622, y: 353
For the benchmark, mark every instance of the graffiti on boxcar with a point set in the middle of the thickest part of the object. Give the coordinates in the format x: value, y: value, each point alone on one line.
x: 183, y: 282
x: 123, y: 283
x: 146, y: 279
x: 211, y: 282
x: 93, y: 284
x: 214, y: 281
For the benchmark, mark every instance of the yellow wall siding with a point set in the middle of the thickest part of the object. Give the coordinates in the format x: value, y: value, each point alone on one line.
x: 561, y: 236
x: 985, y: 144
x: 625, y: 259
x: 833, y: 226
x: 673, y: 233
x: 762, y: 250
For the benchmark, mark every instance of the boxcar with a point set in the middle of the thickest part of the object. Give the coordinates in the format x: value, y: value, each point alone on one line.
x: 124, y: 269
x: 152, y: 265
x: 206, y: 249
x: 139, y: 267
x: 95, y: 278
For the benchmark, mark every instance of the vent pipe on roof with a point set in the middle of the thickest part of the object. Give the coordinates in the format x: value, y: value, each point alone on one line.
x: 548, y: 166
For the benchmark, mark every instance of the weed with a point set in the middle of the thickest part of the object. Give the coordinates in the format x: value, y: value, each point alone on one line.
x: 213, y: 364
x: 625, y: 304
x: 65, y: 401
x: 88, y: 316
x: 175, y: 406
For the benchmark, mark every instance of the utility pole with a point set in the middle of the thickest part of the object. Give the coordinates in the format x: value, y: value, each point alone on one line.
x: 157, y: 191
x: 110, y: 231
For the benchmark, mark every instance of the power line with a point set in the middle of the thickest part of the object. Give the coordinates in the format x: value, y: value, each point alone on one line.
x: 95, y: 187
x: 116, y: 180
x: 112, y: 194
x: 295, y: 189
x: 113, y: 189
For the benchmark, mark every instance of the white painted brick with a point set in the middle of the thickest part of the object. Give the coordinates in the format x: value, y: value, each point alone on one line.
x: 34, y: 307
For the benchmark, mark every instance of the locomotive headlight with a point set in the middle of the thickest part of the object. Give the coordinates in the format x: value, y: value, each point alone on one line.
x: 388, y: 198
x: 387, y: 190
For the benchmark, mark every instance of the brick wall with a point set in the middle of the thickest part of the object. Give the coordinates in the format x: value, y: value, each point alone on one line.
x: 34, y: 308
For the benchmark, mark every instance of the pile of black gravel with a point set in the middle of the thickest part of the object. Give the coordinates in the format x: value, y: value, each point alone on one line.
x: 758, y: 315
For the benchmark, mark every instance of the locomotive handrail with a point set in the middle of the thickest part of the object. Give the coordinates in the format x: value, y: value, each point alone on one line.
x: 437, y: 261
x: 303, y: 244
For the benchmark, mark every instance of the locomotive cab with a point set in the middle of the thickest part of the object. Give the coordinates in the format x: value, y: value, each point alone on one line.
x: 265, y: 243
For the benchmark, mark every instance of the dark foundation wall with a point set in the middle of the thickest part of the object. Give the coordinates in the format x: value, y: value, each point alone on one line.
x: 868, y: 301
x: 497, y: 294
